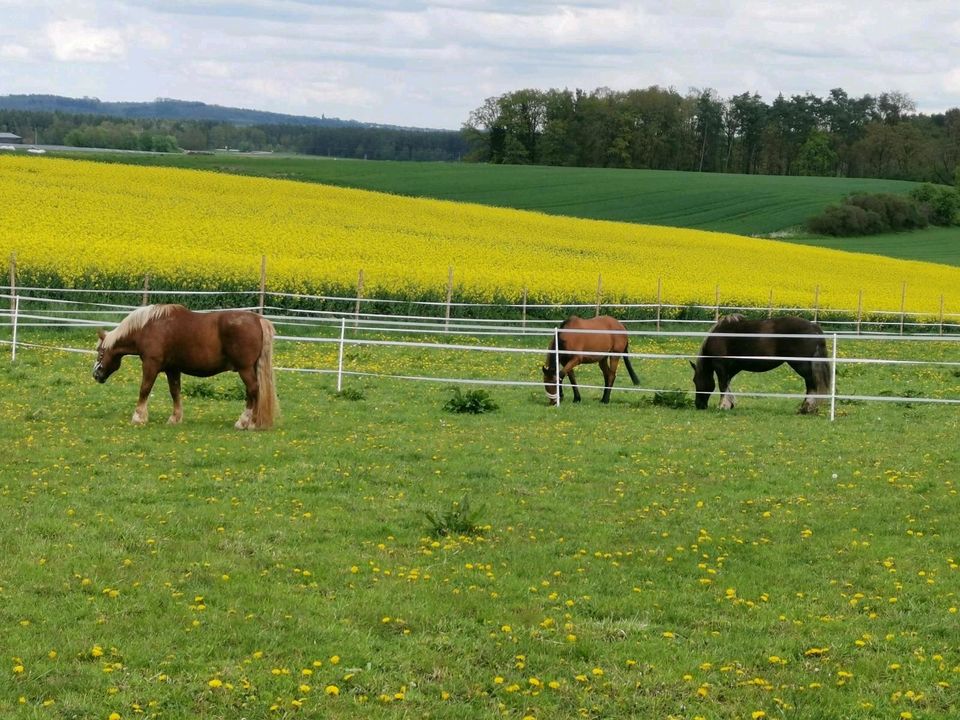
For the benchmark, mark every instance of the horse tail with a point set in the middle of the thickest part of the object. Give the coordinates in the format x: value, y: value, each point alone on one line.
x: 822, y: 368
x: 629, y: 366
x: 267, y: 408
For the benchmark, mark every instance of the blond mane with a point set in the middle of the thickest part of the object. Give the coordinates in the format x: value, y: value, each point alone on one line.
x: 134, y: 322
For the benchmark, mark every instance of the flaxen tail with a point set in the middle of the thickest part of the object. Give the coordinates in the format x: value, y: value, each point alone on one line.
x: 626, y: 362
x: 267, y: 408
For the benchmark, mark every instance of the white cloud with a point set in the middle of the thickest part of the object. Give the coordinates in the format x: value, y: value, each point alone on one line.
x: 951, y: 81
x: 430, y: 62
x: 14, y: 52
x: 78, y: 41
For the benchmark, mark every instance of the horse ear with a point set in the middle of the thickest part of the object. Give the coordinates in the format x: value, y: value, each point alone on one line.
x: 692, y: 365
x: 101, y: 334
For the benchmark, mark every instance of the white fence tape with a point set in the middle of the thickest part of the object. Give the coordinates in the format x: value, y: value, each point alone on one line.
x: 70, y: 314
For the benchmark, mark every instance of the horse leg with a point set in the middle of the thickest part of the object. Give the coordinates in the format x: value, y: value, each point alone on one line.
x: 149, y: 377
x: 573, y: 384
x: 249, y: 377
x: 609, y: 368
x: 568, y: 371
x: 805, y: 370
x: 727, y: 401
x: 173, y: 380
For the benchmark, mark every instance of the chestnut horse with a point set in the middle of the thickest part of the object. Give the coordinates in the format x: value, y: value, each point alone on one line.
x: 172, y: 339
x: 728, y: 349
x: 604, y: 335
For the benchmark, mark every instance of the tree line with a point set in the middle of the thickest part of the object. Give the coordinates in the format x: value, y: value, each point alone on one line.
x: 658, y: 128
x: 364, y: 142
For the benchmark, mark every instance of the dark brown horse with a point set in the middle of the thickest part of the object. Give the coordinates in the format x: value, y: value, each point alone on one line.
x: 729, y: 348
x: 604, y: 335
x: 172, y: 339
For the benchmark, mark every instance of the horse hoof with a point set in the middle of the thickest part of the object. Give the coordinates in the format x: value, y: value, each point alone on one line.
x: 174, y: 420
x: 138, y: 419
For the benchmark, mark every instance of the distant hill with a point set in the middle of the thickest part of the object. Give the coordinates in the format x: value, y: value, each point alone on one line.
x: 168, y: 109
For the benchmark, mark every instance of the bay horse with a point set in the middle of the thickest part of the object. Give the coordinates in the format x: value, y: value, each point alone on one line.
x: 729, y: 348
x: 607, y: 335
x: 172, y: 339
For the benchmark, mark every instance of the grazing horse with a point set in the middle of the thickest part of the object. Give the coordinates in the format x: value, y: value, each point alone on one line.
x: 729, y: 348
x: 172, y: 339
x: 606, y: 335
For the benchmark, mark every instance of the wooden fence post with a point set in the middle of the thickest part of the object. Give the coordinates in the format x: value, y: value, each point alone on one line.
x: 356, y: 309
x: 716, y: 312
x: 659, y: 301
x: 941, y: 314
x: 145, y: 300
x: 523, y: 316
x: 859, y: 310
x: 263, y: 283
x: 903, y: 302
x: 446, y: 324
x: 816, y: 304
x: 599, y: 293
x: 770, y: 305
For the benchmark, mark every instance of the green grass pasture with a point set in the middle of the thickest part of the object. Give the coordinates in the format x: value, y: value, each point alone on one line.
x: 937, y: 244
x: 633, y: 561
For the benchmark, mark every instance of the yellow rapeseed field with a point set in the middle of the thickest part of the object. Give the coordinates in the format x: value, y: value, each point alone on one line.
x: 83, y: 224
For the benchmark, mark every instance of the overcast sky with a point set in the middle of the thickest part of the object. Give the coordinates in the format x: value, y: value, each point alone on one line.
x: 428, y: 64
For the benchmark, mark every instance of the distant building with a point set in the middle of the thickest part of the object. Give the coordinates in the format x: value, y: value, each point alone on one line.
x: 6, y: 137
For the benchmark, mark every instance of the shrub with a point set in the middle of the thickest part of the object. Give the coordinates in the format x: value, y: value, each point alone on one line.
x: 941, y: 205
x: 897, y: 212
x: 846, y: 220
x: 474, y: 402
x: 868, y: 214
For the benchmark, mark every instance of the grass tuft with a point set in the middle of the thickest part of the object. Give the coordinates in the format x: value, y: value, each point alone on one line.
x: 473, y: 402
x: 459, y: 519
x: 676, y: 399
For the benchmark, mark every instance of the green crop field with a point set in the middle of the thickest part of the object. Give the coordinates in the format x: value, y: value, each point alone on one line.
x: 742, y: 204
x: 939, y: 245
x: 630, y: 560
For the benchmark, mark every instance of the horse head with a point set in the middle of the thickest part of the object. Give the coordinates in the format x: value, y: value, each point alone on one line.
x: 703, y: 382
x: 550, y: 385
x: 108, y: 360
